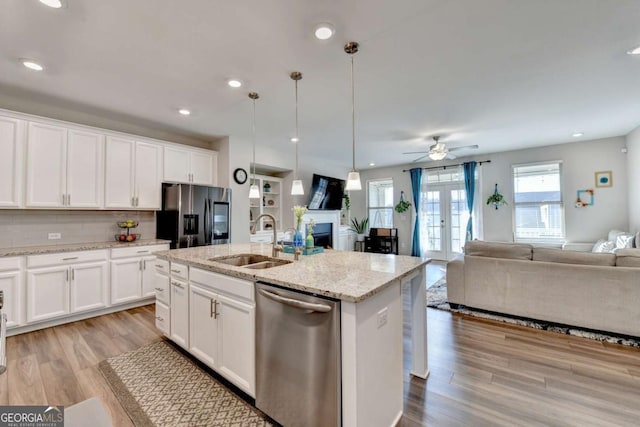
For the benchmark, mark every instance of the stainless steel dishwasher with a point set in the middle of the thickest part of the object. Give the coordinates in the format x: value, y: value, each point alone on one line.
x: 297, y: 357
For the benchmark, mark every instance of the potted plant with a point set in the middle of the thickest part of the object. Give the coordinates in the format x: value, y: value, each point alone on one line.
x: 402, y: 205
x: 359, y: 227
x: 496, y: 198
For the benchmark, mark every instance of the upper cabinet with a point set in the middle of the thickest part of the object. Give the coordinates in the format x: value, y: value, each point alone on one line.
x: 12, y: 148
x: 190, y: 166
x: 64, y: 167
x: 133, y: 174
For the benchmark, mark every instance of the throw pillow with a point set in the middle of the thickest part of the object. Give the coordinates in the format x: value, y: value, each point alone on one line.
x: 637, y: 240
x: 603, y: 246
x: 624, y: 240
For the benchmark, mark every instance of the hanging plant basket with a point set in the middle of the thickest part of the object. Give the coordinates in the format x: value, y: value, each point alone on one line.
x: 402, y: 205
x: 496, y: 199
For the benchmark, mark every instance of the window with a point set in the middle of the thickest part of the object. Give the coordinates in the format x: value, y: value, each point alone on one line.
x: 538, y: 207
x: 380, y: 198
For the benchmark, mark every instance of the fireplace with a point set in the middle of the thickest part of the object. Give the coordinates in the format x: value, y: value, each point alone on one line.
x: 323, y: 218
x: 322, y: 235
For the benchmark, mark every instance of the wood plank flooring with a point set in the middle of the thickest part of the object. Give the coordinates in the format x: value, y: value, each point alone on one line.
x: 482, y: 372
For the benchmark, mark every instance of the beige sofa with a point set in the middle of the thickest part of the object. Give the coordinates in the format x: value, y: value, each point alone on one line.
x: 599, y: 291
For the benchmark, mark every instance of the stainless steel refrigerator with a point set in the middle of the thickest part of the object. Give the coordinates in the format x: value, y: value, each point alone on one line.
x: 194, y: 215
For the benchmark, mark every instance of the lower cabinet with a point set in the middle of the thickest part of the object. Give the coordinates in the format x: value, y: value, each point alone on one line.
x: 133, y: 273
x: 47, y: 293
x: 11, y: 279
x: 203, y: 315
x: 180, y: 313
x: 88, y: 286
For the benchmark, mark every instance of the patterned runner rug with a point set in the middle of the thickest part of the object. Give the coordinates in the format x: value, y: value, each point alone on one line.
x: 437, y: 298
x: 159, y: 386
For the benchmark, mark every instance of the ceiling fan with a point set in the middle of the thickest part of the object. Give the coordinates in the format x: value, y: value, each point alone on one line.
x: 439, y: 150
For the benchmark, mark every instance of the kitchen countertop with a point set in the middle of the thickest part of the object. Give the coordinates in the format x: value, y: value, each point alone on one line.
x: 71, y: 247
x: 348, y: 276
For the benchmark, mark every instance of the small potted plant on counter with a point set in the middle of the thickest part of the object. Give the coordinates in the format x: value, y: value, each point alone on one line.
x: 359, y: 227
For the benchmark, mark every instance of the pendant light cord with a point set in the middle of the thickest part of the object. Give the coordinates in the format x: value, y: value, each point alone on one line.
x: 297, y: 138
x: 353, y: 120
x: 254, y: 142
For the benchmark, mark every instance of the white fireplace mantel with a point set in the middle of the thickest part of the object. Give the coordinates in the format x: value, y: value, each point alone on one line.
x: 323, y: 217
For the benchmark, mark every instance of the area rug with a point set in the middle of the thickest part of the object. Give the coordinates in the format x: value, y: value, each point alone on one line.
x: 159, y: 386
x: 437, y: 298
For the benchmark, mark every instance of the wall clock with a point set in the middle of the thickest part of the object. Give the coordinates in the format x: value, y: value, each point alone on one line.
x: 240, y: 176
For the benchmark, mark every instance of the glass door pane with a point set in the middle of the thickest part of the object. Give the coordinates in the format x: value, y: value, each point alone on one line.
x: 431, y: 238
x: 459, y: 215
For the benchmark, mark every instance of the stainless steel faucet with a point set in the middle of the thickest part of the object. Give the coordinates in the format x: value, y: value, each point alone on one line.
x: 297, y: 251
x: 276, y: 247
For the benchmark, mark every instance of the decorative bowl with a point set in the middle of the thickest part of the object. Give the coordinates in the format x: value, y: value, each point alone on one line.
x: 127, y: 224
x: 127, y: 238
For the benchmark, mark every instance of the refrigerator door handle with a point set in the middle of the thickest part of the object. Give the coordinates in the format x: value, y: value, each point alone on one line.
x: 207, y: 220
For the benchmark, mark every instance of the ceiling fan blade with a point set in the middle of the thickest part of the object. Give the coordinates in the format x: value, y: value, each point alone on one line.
x: 420, y: 158
x: 466, y: 147
x: 415, y: 152
x: 451, y: 156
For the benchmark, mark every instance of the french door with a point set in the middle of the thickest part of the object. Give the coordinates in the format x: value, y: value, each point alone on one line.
x: 443, y: 221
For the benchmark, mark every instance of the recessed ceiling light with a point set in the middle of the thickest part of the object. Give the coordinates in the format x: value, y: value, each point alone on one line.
x: 32, y: 65
x: 577, y: 134
x: 635, y: 51
x: 372, y: 164
x: 184, y: 111
x: 295, y: 139
x: 234, y: 83
x: 56, y: 4
x: 324, y: 31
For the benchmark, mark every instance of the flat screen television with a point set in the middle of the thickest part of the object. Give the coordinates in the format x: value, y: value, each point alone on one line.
x: 326, y: 193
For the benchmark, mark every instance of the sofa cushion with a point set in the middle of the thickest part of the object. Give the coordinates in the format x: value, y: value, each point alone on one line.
x: 603, y: 246
x: 498, y: 250
x: 628, y: 257
x: 573, y: 257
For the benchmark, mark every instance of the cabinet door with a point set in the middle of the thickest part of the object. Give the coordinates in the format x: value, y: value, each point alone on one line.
x: 180, y: 313
x: 88, y: 286
x: 236, y: 342
x: 46, y: 166
x: 163, y: 319
x: 148, y: 180
x: 203, y: 334
x: 47, y: 293
x: 162, y: 286
x: 11, y: 285
x: 85, y: 170
x: 149, y: 277
x: 11, y: 167
x: 119, y: 166
x: 201, y: 168
x: 343, y: 242
x: 176, y: 165
x: 126, y: 280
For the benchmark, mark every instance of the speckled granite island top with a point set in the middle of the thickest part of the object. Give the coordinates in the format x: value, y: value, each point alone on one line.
x: 349, y: 276
x: 71, y: 247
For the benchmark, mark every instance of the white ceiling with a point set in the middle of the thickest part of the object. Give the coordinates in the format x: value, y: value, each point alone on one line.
x: 503, y: 74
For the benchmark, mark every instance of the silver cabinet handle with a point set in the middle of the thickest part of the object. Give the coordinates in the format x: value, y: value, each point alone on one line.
x: 214, y: 308
x: 66, y: 275
x: 68, y: 199
x: 177, y: 284
x: 70, y: 258
x: 143, y: 252
x: 73, y: 274
x: 159, y: 266
x: 322, y: 308
x: 175, y: 271
x: 159, y: 289
x: 140, y: 265
x: 160, y: 318
x: 133, y: 201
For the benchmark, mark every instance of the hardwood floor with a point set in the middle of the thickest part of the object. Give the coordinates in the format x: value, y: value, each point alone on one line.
x: 481, y: 372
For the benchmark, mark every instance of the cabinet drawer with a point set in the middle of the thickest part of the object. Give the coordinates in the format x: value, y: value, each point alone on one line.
x: 8, y: 264
x: 66, y: 258
x: 161, y: 266
x: 162, y: 318
x: 162, y: 285
x: 132, y: 251
x: 224, y: 284
x: 179, y: 271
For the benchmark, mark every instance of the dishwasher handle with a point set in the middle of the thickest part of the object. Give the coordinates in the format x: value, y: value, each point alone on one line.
x: 322, y: 308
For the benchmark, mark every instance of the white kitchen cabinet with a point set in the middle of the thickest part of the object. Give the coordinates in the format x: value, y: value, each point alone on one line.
x: 149, y: 282
x: 11, y: 279
x: 64, y: 167
x: 203, y: 335
x: 126, y: 280
x: 190, y: 166
x: 63, y: 283
x: 162, y: 282
x: 132, y: 174
x: 346, y: 240
x: 180, y: 313
x: 11, y: 161
x: 163, y: 318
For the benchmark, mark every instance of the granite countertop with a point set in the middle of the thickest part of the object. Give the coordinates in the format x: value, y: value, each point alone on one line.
x: 348, y: 276
x: 71, y: 247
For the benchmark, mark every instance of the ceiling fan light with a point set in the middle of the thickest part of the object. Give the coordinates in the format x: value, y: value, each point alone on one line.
x: 296, y: 188
x: 254, y: 192
x: 353, y: 181
x: 437, y: 155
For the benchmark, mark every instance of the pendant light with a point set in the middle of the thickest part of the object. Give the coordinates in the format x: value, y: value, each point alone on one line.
x: 296, y: 185
x: 254, y: 191
x: 353, y: 179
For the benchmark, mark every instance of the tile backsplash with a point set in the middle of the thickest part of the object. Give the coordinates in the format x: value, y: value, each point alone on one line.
x: 32, y: 227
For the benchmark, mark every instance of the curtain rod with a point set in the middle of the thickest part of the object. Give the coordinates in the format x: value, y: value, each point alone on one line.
x: 447, y: 166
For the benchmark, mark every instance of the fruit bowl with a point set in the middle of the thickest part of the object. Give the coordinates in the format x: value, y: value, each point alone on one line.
x: 128, y: 224
x: 127, y: 238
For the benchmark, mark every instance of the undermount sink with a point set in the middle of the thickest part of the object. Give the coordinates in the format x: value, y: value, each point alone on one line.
x: 253, y: 261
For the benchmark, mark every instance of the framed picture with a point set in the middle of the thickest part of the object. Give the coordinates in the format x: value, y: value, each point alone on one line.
x: 604, y: 179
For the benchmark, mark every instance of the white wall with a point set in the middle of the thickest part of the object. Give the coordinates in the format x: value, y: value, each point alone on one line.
x: 580, y: 160
x: 633, y: 178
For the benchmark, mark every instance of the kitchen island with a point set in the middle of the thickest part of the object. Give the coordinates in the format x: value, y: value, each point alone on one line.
x: 369, y: 288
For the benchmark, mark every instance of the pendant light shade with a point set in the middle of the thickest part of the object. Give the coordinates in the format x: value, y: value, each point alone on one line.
x: 353, y: 179
x: 254, y: 191
x: 296, y: 185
